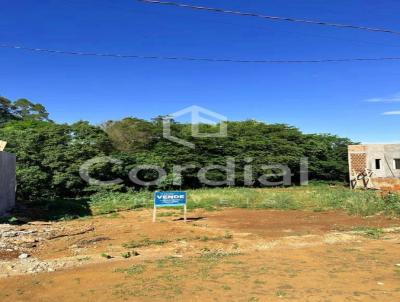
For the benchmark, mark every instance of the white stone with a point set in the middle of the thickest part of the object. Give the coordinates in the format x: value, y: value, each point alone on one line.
x: 23, y: 256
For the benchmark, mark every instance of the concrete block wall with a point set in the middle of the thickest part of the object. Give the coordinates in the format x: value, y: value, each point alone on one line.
x: 7, y: 181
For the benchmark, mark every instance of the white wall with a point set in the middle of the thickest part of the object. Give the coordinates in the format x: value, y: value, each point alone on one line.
x: 387, y: 154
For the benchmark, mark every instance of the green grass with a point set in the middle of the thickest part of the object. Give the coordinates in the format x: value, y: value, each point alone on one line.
x: 216, y: 238
x: 374, y: 233
x: 126, y: 255
x: 9, y: 220
x: 215, y: 255
x: 132, y: 270
x: 315, y: 197
x: 281, y: 293
x: 145, y: 242
x: 105, y: 255
x: 109, y: 202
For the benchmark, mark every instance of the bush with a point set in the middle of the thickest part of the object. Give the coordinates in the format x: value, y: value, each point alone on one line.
x: 392, y: 203
x: 364, y: 204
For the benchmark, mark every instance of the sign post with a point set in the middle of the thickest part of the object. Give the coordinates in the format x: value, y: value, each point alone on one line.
x: 170, y: 199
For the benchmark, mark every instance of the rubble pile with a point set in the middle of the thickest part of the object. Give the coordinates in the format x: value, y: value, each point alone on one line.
x: 18, y: 243
x: 21, y: 238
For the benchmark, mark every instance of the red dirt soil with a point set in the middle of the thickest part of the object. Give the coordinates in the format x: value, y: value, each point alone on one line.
x: 229, y: 255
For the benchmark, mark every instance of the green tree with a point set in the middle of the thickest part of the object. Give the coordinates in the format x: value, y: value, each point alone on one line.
x: 6, y: 110
x: 49, y: 156
x: 328, y: 157
x: 130, y: 134
x: 22, y: 109
x: 26, y: 110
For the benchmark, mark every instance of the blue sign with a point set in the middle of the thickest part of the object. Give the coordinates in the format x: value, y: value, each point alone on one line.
x: 169, y: 199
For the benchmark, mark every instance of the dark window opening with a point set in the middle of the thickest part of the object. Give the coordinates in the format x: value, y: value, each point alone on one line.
x: 397, y: 163
x: 377, y: 164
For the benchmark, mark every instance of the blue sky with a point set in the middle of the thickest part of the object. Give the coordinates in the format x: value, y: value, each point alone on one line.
x: 347, y: 99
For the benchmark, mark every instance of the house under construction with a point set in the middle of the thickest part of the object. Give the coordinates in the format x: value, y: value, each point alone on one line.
x: 375, y: 166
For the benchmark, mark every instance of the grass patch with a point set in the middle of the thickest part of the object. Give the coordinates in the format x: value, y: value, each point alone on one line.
x: 132, y: 270
x: 105, y: 255
x: 281, y: 293
x: 216, y: 254
x: 167, y: 214
x: 129, y: 254
x: 318, y: 198
x: 169, y: 262
x: 9, y: 220
x: 108, y: 202
x: 374, y: 233
x: 217, y: 238
x: 145, y: 242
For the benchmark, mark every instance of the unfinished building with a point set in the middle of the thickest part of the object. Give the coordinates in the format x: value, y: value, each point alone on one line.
x: 375, y: 166
x: 7, y: 180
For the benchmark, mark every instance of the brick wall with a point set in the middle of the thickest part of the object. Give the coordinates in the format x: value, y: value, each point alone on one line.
x: 358, y: 162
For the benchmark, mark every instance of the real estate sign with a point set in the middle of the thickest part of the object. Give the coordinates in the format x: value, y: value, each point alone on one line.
x: 169, y: 199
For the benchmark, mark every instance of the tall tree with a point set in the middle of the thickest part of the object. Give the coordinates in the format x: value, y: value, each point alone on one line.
x: 49, y: 156
x: 22, y: 109
x: 131, y: 134
x: 6, y: 110
x: 26, y: 110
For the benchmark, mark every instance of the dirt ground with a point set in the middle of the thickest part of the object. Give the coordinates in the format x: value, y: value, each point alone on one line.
x: 229, y: 255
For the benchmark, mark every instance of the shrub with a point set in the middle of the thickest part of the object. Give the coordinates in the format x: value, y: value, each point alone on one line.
x: 392, y: 203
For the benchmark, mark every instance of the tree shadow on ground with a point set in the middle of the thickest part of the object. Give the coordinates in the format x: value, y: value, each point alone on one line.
x: 190, y: 219
x: 49, y: 210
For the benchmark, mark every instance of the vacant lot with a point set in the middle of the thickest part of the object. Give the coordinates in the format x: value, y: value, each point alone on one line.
x: 225, y: 255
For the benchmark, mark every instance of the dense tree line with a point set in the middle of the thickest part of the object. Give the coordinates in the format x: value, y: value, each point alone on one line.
x: 50, y: 154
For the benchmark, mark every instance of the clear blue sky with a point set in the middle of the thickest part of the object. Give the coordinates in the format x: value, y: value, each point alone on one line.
x: 314, y: 97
